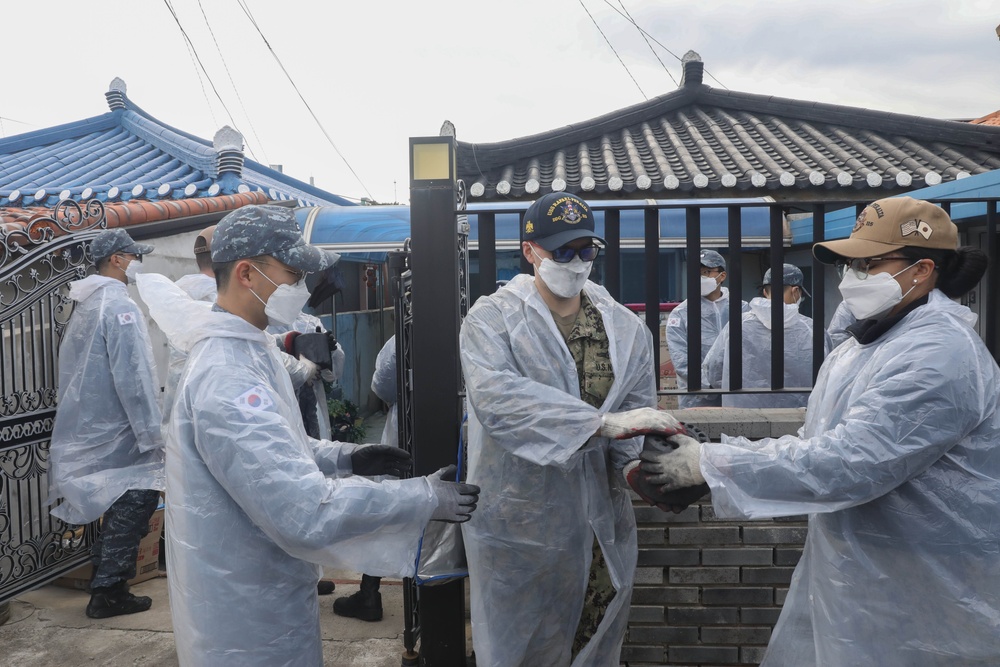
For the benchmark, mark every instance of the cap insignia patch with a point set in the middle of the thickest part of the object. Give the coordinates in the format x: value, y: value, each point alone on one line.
x: 912, y: 227
x: 529, y: 227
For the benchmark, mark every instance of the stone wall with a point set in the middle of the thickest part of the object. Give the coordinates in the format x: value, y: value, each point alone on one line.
x: 708, y: 591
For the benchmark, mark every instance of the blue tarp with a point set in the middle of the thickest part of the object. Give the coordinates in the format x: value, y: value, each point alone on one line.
x: 366, y: 233
x: 839, y: 223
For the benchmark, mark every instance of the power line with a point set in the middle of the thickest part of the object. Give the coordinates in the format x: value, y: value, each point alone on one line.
x: 246, y: 10
x: 202, y: 65
x: 658, y: 42
x: 613, y: 49
x: 233, y: 83
x: 641, y: 32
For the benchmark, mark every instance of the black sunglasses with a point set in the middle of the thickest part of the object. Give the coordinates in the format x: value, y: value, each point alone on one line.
x: 587, y: 253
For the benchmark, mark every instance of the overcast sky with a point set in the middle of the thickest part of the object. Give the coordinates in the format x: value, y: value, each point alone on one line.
x: 376, y: 73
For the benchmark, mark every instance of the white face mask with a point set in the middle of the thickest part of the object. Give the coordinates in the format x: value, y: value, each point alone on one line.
x: 874, y: 296
x: 708, y: 285
x: 133, y: 269
x: 285, y: 303
x: 564, y: 280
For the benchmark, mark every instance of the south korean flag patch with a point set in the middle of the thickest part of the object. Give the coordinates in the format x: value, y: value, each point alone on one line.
x: 255, y: 399
x: 126, y: 318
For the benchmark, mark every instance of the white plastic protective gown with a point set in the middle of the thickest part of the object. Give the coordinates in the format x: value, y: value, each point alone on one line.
x: 757, y: 358
x: 548, y: 484
x: 106, y: 437
x: 253, y: 509
x: 384, y: 386
x: 201, y: 289
x: 714, y: 316
x: 842, y: 318
x: 899, y: 469
x: 198, y: 286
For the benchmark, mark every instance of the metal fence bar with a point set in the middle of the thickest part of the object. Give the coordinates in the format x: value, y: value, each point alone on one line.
x: 651, y: 219
x: 612, y: 256
x: 777, y: 298
x: 487, y: 253
x: 692, y: 220
x: 735, y: 266
x: 818, y: 292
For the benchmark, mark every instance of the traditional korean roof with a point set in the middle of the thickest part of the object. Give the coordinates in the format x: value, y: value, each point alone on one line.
x: 699, y: 141
x: 988, y: 119
x: 127, y: 154
x: 22, y: 228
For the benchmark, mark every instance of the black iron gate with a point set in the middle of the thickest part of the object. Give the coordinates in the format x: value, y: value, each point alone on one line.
x: 37, y: 261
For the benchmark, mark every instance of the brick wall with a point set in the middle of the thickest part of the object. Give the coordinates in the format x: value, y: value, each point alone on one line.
x: 708, y: 591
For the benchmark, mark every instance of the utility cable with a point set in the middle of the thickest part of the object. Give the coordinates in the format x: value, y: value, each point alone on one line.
x: 201, y: 64
x: 235, y: 89
x: 646, y: 39
x: 246, y: 10
x: 613, y: 49
x: 658, y: 42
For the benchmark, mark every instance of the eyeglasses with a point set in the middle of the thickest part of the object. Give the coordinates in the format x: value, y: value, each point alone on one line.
x: 299, y: 275
x: 861, y: 267
x: 587, y: 253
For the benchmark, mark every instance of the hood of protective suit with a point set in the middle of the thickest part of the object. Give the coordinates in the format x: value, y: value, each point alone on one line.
x: 81, y: 289
x: 761, y: 308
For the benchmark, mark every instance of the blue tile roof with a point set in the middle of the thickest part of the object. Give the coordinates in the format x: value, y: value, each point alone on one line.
x: 127, y: 154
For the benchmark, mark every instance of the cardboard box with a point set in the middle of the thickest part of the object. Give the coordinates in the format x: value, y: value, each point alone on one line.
x: 147, y: 563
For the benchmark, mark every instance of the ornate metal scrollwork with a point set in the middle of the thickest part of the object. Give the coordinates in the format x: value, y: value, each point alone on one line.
x: 68, y: 217
x: 38, y: 258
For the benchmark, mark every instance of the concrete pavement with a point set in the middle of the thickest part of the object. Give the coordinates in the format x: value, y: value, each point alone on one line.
x: 48, y: 628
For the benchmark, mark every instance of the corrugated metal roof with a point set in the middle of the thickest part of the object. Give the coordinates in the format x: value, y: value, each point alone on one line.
x: 701, y: 142
x: 127, y: 154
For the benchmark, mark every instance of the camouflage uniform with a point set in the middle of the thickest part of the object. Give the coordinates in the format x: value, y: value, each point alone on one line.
x: 125, y: 523
x: 588, y: 343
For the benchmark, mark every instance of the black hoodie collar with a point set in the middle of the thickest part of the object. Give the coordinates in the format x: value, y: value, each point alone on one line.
x: 869, y: 331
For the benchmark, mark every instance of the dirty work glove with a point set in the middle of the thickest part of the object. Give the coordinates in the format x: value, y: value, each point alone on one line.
x: 311, y: 346
x: 673, y: 465
x: 673, y: 501
x: 456, y: 500
x: 309, y: 369
x: 380, y: 460
x: 620, y: 425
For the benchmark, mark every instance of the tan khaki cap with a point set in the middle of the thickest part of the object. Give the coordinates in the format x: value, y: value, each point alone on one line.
x: 890, y: 224
x: 203, y: 243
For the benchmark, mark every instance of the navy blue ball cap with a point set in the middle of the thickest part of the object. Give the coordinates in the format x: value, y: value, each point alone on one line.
x: 790, y: 275
x: 252, y: 231
x: 555, y: 219
x: 116, y: 240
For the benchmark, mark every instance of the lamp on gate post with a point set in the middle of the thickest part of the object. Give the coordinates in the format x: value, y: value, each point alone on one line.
x: 436, y: 370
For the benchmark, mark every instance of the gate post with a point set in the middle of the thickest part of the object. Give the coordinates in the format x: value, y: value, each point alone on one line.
x: 437, y: 411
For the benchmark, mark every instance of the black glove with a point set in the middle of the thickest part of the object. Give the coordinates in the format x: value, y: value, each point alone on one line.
x: 313, y: 346
x: 456, y: 500
x: 331, y: 341
x: 674, y: 501
x: 380, y: 460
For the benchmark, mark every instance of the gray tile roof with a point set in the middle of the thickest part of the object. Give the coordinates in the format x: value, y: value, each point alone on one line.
x: 701, y: 141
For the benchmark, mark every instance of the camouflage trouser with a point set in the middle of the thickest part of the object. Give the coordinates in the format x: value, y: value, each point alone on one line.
x: 125, y: 523
x: 600, y: 593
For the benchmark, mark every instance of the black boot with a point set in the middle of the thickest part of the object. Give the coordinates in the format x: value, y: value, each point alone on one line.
x: 115, y: 601
x: 365, y: 605
x: 325, y: 587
